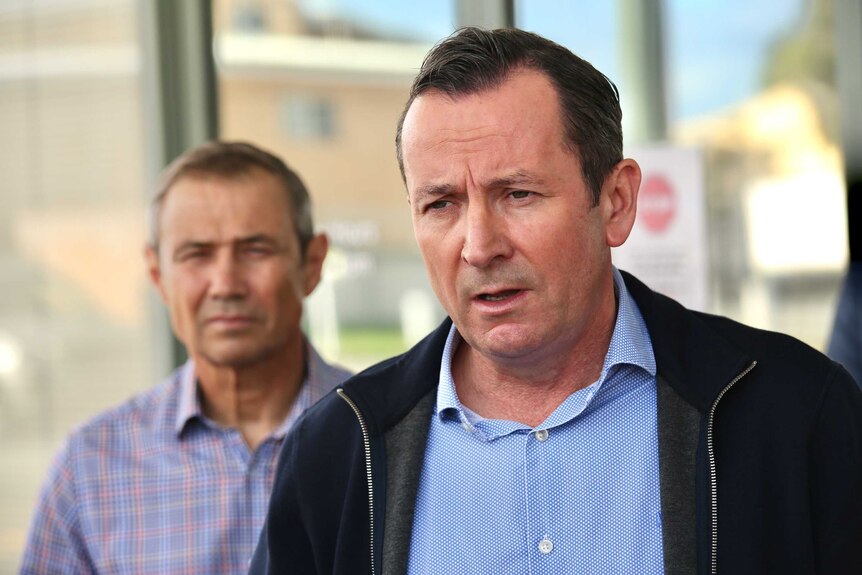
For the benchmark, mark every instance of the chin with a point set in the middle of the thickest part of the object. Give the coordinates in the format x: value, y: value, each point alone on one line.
x: 507, y: 342
x: 235, y: 358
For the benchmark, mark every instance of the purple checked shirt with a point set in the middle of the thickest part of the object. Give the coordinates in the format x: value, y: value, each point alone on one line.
x: 153, y: 486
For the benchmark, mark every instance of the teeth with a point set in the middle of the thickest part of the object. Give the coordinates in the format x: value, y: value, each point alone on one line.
x: 493, y: 297
x: 499, y: 296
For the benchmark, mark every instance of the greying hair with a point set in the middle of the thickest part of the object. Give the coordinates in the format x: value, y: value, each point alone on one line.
x: 474, y: 60
x: 229, y: 160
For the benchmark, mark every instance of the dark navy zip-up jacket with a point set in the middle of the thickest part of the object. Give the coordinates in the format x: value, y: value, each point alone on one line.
x: 760, y: 451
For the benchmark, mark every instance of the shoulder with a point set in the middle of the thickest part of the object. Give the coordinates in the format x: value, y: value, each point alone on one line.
x: 321, y: 374
x: 700, y: 353
x: 94, y: 452
x: 794, y: 382
x: 352, y: 397
x: 776, y: 351
x: 127, y: 426
x: 380, y: 395
x: 690, y: 331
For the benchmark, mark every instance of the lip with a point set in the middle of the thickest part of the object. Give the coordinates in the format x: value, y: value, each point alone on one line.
x: 513, y: 297
x: 230, y: 321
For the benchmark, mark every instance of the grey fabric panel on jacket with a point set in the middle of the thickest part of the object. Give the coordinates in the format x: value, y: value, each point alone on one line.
x: 407, y: 440
x: 678, y: 428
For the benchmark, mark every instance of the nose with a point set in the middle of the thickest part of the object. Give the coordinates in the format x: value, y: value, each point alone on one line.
x: 485, y: 238
x: 226, y: 277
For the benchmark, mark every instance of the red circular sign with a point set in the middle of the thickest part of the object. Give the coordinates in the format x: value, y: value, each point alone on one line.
x: 656, y: 204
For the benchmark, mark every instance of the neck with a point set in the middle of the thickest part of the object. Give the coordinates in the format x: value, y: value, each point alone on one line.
x: 529, y: 389
x: 254, y: 399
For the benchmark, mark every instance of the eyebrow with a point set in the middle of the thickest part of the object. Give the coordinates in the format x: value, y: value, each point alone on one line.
x: 206, y: 244
x: 433, y: 190
x: 256, y: 239
x: 192, y: 244
x: 516, y: 178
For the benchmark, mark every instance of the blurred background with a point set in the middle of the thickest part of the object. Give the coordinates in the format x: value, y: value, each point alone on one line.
x: 96, y: 96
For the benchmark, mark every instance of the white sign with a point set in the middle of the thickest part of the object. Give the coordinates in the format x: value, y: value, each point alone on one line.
x: 667, y: 247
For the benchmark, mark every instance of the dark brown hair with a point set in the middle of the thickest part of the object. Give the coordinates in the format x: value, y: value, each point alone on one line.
x: 473, y: 60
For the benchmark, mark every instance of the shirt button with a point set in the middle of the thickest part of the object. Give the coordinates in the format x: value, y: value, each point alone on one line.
x: 542, y: 434
x: 545, y: 546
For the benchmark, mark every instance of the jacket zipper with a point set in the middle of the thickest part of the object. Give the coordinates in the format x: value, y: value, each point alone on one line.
x: 366, y: 443
x: 713, y: 487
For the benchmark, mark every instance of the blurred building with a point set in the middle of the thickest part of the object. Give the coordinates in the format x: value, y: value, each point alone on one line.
x: 749, y: 83
x: 326, y: 94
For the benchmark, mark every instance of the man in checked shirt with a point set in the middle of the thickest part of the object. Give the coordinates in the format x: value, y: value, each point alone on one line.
x: 177, y: 479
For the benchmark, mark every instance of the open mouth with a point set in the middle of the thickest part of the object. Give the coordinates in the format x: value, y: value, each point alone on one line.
x: 499, y: 296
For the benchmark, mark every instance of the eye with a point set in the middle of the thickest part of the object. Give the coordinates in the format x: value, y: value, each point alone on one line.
x: 256, y: 250
x: 438, y: 205
x: 520, y: 194
x: 191, y: 254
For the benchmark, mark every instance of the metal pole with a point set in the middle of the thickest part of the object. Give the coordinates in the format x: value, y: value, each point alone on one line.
x: 180, y: 107
x: 643, y: 69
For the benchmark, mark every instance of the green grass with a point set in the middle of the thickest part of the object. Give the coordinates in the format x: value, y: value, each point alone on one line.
x: 371, y: 343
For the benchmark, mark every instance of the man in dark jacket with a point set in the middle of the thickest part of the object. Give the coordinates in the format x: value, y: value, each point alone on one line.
x: 566, y: 419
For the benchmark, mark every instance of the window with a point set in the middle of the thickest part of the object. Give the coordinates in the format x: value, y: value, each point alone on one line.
x: 749, y: 86
x: 324, y: 88
x: 75, y: 332
x: 248, y: 18
x: 308, y: 118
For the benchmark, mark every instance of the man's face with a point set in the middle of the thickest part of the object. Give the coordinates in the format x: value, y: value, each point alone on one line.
x: 229, y: 268
x: 516, y: 253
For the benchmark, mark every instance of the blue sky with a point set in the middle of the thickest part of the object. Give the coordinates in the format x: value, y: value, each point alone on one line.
x: 715, y: 49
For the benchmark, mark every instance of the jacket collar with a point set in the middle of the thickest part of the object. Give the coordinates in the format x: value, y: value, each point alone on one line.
x: 386, y: 392
x: 696, y: 360
x: 691, y: 354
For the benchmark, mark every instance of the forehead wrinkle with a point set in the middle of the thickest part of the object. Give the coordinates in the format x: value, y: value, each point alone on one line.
x: 448, y: 136
x: 515, y: 178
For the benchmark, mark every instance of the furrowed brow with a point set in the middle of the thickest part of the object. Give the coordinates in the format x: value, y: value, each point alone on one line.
x: 519, y: 178
x: 190, y: 246
x: 432, y: 191
x: 193, y: 245
x: 256, y: 239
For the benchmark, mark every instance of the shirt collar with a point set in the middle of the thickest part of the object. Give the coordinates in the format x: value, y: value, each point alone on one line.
x: 190, y: 404
x: 447, y: 397
x: 630, y: 341
x: 630, y: 344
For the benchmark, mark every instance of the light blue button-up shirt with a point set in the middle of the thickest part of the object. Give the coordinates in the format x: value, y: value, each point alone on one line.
x: 577, y: 494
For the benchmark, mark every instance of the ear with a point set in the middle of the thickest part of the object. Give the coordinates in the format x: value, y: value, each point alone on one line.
x: 151, y: 257
x: 619, y: 201
x: 315, y: 253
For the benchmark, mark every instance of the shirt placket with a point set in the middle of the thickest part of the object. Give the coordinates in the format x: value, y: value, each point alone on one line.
x: 542, y: 542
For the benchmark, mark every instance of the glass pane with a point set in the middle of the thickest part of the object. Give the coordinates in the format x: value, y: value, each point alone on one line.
x: 74, y: 335
x: 322, y: 84
x: 750, y: 90
x: 753, y: 84
x: 589, y: 29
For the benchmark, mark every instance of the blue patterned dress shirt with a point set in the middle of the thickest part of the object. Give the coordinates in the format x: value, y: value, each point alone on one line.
x: 579, y: 493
